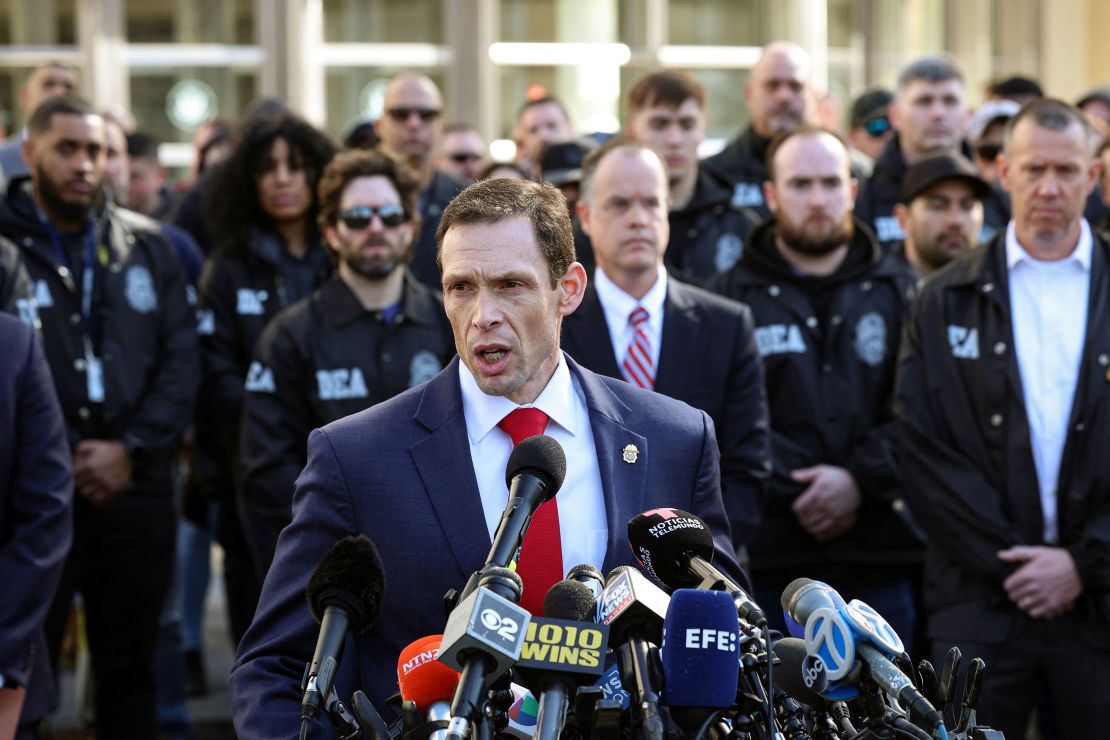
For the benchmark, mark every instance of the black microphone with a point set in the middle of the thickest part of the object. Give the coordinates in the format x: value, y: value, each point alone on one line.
x: 588, y: 576
x: 791, y: 651
x: 344, y: 594
x: 563, y: 649
x: 534, y: 474
x: 482, y: 640
x: 677, y: 548
x: 634, y: 608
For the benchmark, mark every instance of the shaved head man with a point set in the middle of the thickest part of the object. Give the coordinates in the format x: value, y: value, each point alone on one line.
x: 45, y: 81
x: 778, y: 96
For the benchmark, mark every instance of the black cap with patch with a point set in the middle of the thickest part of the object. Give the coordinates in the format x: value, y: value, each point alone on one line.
x: 928, y: 172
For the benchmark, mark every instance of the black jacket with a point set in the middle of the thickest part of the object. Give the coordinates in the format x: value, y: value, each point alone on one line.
x: 743, y: 164
x: 883, y: 190
x: 829, y: 387
x: 708, y: 359
x: 16, y: 296
x: 324, y: 358
x: 144, y: 330
x: 433, y: 199
x: 708, y: 235
x: 966, y: 450
x: 239, y: 294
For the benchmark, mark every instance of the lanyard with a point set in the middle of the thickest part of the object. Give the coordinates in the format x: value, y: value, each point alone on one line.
x: 88, y: 271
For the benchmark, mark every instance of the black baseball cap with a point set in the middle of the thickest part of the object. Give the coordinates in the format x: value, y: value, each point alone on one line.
x: 561, y: 163
x: 928, y: 172
x: 870, y: 105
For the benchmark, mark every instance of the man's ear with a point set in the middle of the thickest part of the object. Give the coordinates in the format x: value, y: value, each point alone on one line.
x: 902, y: 213
x: 583, y: 211
x: 572, y: 288
x: 770, y: 197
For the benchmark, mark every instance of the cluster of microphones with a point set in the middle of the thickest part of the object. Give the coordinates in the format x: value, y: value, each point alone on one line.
x: 617, y: 656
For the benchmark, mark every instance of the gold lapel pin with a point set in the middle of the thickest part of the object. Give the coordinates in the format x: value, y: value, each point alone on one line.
x: 630, y: 454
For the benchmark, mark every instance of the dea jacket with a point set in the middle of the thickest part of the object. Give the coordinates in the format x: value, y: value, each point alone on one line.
x: 324, y: 358
x: 143, y: 330
x: 970, y: 476
x: 829, y: 348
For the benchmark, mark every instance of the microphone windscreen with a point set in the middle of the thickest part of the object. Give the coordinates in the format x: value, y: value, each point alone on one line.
x: 791, y: 590
x: 664, y: 539
x: 589, y: 575
x: 700, y: 653
x: 352, y: 577
x: 542, y: 456
x: 420, y: 675
x: 791, y: 653
x: 570, y: 600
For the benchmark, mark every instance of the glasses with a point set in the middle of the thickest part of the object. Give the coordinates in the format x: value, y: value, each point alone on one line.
x: 359, y: 217
x: 876, y: 127
x: 464, y: 157
x: 988, y: 151
x: 400, y: 115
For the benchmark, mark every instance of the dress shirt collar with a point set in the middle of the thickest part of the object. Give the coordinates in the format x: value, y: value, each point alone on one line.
x: 619, y: 305
x: 1081, y: 255
x: 483, y: 412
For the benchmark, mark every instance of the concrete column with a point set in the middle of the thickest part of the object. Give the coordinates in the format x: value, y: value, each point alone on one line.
x: 806, y: 24
x: 968, y: 34
x: 591, y: 91
x: 1064, y: 46
x: 100, y: 36
x: 472, y: 94
x: 290, y: 33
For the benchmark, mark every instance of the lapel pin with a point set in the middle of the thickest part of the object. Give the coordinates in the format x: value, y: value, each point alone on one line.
x: 630, y: 454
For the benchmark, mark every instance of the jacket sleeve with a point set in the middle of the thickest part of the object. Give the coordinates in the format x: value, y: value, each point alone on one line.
x: 222, y: 374
x: 38, y: 510
x: 706, y: 503
x: 161, y: 416
x: 266, y: 678
x: 276, y: 425
x: 1091, y: 553
x: 744, y: 436
x: 960, y: 510
x: 15, y: 284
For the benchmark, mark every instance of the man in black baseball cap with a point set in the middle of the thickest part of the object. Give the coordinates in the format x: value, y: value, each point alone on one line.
x: 941, y: 212
x: 869, y: 128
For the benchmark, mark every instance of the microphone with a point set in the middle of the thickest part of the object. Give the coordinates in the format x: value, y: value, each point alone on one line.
x: 836, y: 633
x: 344, y: 594
x: 482, y: 639
x: 791, y: 651
x: 677, y: 548
x: 701, y: 655
x: 427, y: 683
x: 561, y: 651
x: 634, y: 608
x: 534, y: 474
x: 589, y: 576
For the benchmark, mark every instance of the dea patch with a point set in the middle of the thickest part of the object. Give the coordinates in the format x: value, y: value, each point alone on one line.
x: 260, y: 379
x: 729, y: 247
x: 871, y: 339
x: 424, y: 367
x: 138, y: 287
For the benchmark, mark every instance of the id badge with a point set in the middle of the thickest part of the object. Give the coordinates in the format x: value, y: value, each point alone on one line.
x: 94, y: 373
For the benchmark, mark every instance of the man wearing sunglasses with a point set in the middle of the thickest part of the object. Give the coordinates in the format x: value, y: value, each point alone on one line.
x: 368, y: 333
x: 461, y: 152
x: 985, y: 134
x: 869, y: 129
x: 410, y: 127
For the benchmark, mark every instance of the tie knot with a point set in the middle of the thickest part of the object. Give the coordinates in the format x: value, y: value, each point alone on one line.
x: 638, y: 317
x: 521, y: 424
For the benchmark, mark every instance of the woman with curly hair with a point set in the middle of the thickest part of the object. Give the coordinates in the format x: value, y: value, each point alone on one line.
x: 269, y: 254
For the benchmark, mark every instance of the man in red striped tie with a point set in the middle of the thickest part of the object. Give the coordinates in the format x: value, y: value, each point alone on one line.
x: 423, y: 474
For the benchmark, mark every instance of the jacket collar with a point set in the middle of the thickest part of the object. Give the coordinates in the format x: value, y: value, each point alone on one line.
x: 341, y: 306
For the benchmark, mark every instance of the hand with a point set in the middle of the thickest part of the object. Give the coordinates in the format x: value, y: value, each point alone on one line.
x: 827, y: 508
x: 102, y: 471
x: 1046, y: 585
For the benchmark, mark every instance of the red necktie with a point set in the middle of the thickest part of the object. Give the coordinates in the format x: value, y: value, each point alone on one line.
x: 637, y: 367
x: 541, y: 556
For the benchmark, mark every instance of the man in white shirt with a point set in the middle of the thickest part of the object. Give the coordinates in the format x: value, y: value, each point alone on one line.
x: 1002, y: 391
x: 423, y: 473
x: 638, y: 323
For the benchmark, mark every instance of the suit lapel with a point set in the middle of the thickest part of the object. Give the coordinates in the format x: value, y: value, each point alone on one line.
x: 444, y: 464
x: 680, y: 340
x: 622, y: 484
x: 586, y: 336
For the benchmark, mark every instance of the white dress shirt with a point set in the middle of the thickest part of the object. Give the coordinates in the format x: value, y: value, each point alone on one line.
x: 582, y: 526
x: 1048, y: 305
x: 618, y: 306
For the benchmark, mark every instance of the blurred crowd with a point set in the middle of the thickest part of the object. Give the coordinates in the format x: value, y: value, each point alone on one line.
x: 899, y: 324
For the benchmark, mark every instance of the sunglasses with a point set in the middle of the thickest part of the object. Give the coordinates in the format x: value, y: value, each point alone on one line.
x: 876, y: 127
x: 464, y: 157
x: 988, y: 151
x: 359, y: 217
x: 400, y: 115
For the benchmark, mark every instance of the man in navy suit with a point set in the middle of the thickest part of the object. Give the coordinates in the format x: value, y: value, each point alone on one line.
x: 701, y: 347
x: 36, y: 498
x: 423, y: 473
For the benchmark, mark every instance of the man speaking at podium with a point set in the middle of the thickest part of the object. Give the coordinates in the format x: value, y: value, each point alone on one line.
x: 423, y: 474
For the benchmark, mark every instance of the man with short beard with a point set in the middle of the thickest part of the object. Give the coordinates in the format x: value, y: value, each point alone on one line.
x: 368, y: 333
x: 120, y: 339
x: 828, y: 315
